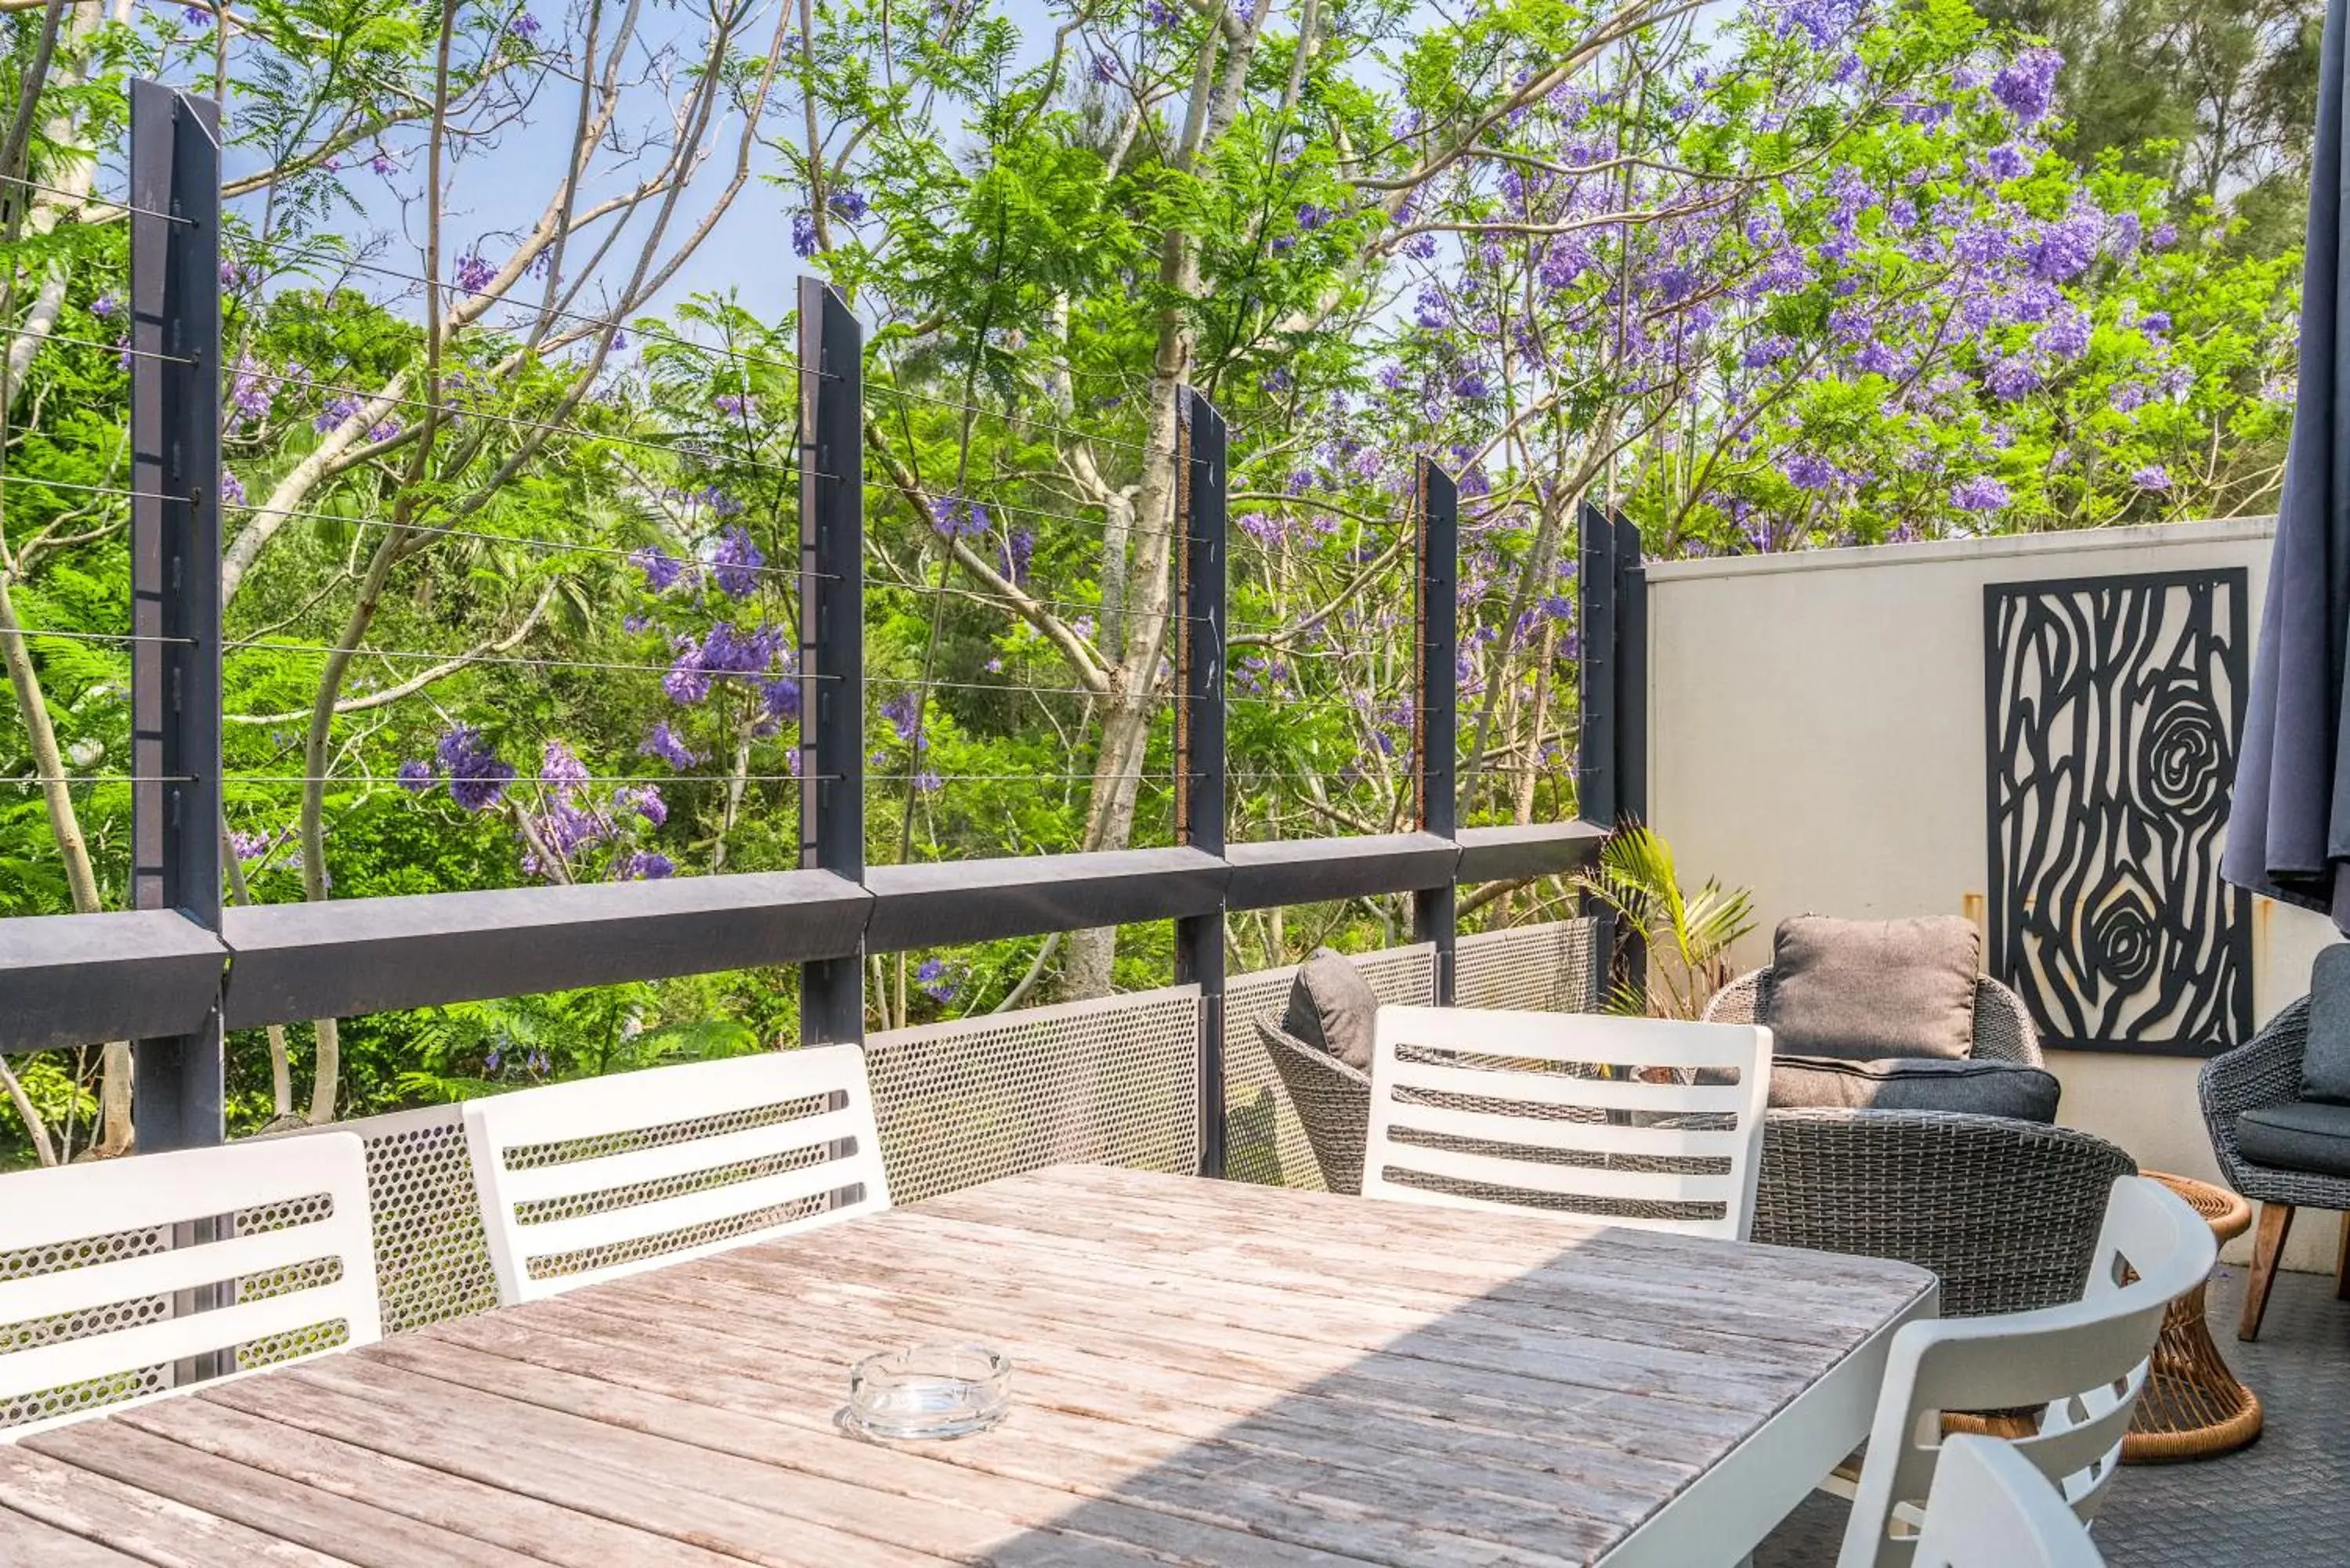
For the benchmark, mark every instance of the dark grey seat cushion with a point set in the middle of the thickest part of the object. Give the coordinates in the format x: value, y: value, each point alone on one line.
x: 2008, y: 1089
x: 1860, y: 990
x: 2325, y: 1060
x: 2300, y: 1134
x: 1332, y: 1008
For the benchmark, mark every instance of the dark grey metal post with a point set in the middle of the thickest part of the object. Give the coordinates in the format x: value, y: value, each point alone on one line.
x: 175, y: 554
x: 1595, y: 770
x: 1200, y: 739
x: 1631, y: 674
x: 1436, y: 705
x: 832, y: 635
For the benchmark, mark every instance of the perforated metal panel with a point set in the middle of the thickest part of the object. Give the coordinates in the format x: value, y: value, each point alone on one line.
x: 1264, y: 1140
x: 1108, y: 1082
x: 1551, y: 968
x: 431, y: 1258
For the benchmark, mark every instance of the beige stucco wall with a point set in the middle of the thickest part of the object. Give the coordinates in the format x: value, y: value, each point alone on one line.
x: 1816, y: 734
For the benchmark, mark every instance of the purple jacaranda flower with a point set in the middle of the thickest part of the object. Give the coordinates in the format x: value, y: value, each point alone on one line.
x: 903, y: 713
x: 928, y: 783
x: 2007, y: 160
x: 2154, y: 322
x: 495, y: 1060
x: 1105, y: 69
x: 232, y: 488
x: 849, y: 204
x: 1808, y: 470
x: 1158, y: 14
x: 660, y: 568
x: 933, y: 976
x: 104, y: 306
x: 2066, y: 246
x: 2164, y: 236
x: 416, y: 776
x: 524, y: 27
x: 477, y: 775
x: 249, y: 847
x: 251, y: 389
x: 1311, y: 217
x: 735, y: 405
x: 781, y: 698
x: 2028, y: 86
x: 1019, y: 549
x: 2011, y: 377
x: 381, y: 165
x: 2065, y: 338
x: 1766, y: 351
x: 727, y: 651
x: 561, y: 769
x: 662, y: 741
x: 2153, y: 476
x: 735, y: 562
x: 688, y: 680
x: 957, y: 518
x: 1979, y: 493
x: 1472, y: 385
x: 643, y: 866
x: 802, y: 234
x: 473, y: 272
x: 387, y: 430
x: 335, y: 413
x: 1432, y: 311
x: 196, y: 16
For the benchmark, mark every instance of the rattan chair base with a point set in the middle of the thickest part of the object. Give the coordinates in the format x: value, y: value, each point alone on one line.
x: 2193, y: 1405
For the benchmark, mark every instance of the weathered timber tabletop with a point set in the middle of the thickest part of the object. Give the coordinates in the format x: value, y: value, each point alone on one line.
x: 1205, y: 1372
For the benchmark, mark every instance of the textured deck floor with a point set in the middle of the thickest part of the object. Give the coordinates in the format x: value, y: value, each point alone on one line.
x: 2283, y: 1502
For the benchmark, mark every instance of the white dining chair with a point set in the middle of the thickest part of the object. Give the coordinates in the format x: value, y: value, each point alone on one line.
x: 589, y: 1180
x: 1626, y: 1121
x: 96, y: 1310
x: 2084, y: 1363
x: 1991, y: 1509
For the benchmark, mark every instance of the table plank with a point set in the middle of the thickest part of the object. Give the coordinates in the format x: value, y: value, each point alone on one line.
x: 29, y: 1543
x: 1206, y: 1373
x: 138, y: 1521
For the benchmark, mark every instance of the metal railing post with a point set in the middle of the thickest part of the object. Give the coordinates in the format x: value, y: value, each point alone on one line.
x: 1199, y: 738
x: 1631, y: 673
x: 832, y: 635
x: 175, y: 583
x: 1595, y: 579
x: 1436, y: 705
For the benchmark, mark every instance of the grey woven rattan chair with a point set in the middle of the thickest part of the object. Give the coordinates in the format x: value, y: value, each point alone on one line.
x: 2007, y: 1212
x: 2267, y: 1071
x: 1332, y: 1103
x: 2003, y: 1030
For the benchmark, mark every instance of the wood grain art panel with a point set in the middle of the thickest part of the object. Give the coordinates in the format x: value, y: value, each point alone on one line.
x: 2115, y: 708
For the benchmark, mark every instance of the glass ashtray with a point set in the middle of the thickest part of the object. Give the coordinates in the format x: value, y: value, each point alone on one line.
x: 928, y: 1391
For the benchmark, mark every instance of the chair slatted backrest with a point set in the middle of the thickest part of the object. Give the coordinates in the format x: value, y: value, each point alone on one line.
x: 587, y: 1181
x: 1628, y: 1121
x: 2085, y: 1362
x: 98, y: 1261
x: 1991, y: 1509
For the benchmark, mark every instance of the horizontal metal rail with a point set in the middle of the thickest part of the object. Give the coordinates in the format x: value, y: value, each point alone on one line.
x: 73, y: 980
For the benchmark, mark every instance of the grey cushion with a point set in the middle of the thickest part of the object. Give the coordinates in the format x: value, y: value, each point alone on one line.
x: 2325, y: 1060
x: 1863, y: 990
x: 2300, y: 1134
x: 1332, y: 1008
x: 2008, y: 1089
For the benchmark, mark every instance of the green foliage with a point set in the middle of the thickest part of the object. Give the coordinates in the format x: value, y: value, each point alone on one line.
x: 1687, y: 936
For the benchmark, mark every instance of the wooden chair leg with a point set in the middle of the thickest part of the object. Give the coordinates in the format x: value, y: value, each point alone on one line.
x: 2268, y: 1246
x: 2342, y: 1263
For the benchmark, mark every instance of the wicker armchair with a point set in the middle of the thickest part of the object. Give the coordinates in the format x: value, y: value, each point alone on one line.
x: 2267, y: 1071
x: 2007, y: 1212
x: 1332, y: 1103
x: 2003, y: 1030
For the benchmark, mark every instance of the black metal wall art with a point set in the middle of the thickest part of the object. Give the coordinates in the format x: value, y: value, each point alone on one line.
x: 2115, y: 708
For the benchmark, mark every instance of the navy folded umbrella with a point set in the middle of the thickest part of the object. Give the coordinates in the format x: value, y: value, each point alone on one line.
x: 2289, y: 827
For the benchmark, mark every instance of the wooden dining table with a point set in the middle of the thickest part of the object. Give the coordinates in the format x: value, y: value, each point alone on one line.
x: 1204, y: 1373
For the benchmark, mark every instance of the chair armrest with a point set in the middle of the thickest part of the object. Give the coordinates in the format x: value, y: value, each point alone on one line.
x: 2264, y: 1071
x: 1734, y: 1002
x: 2003, y: 1028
